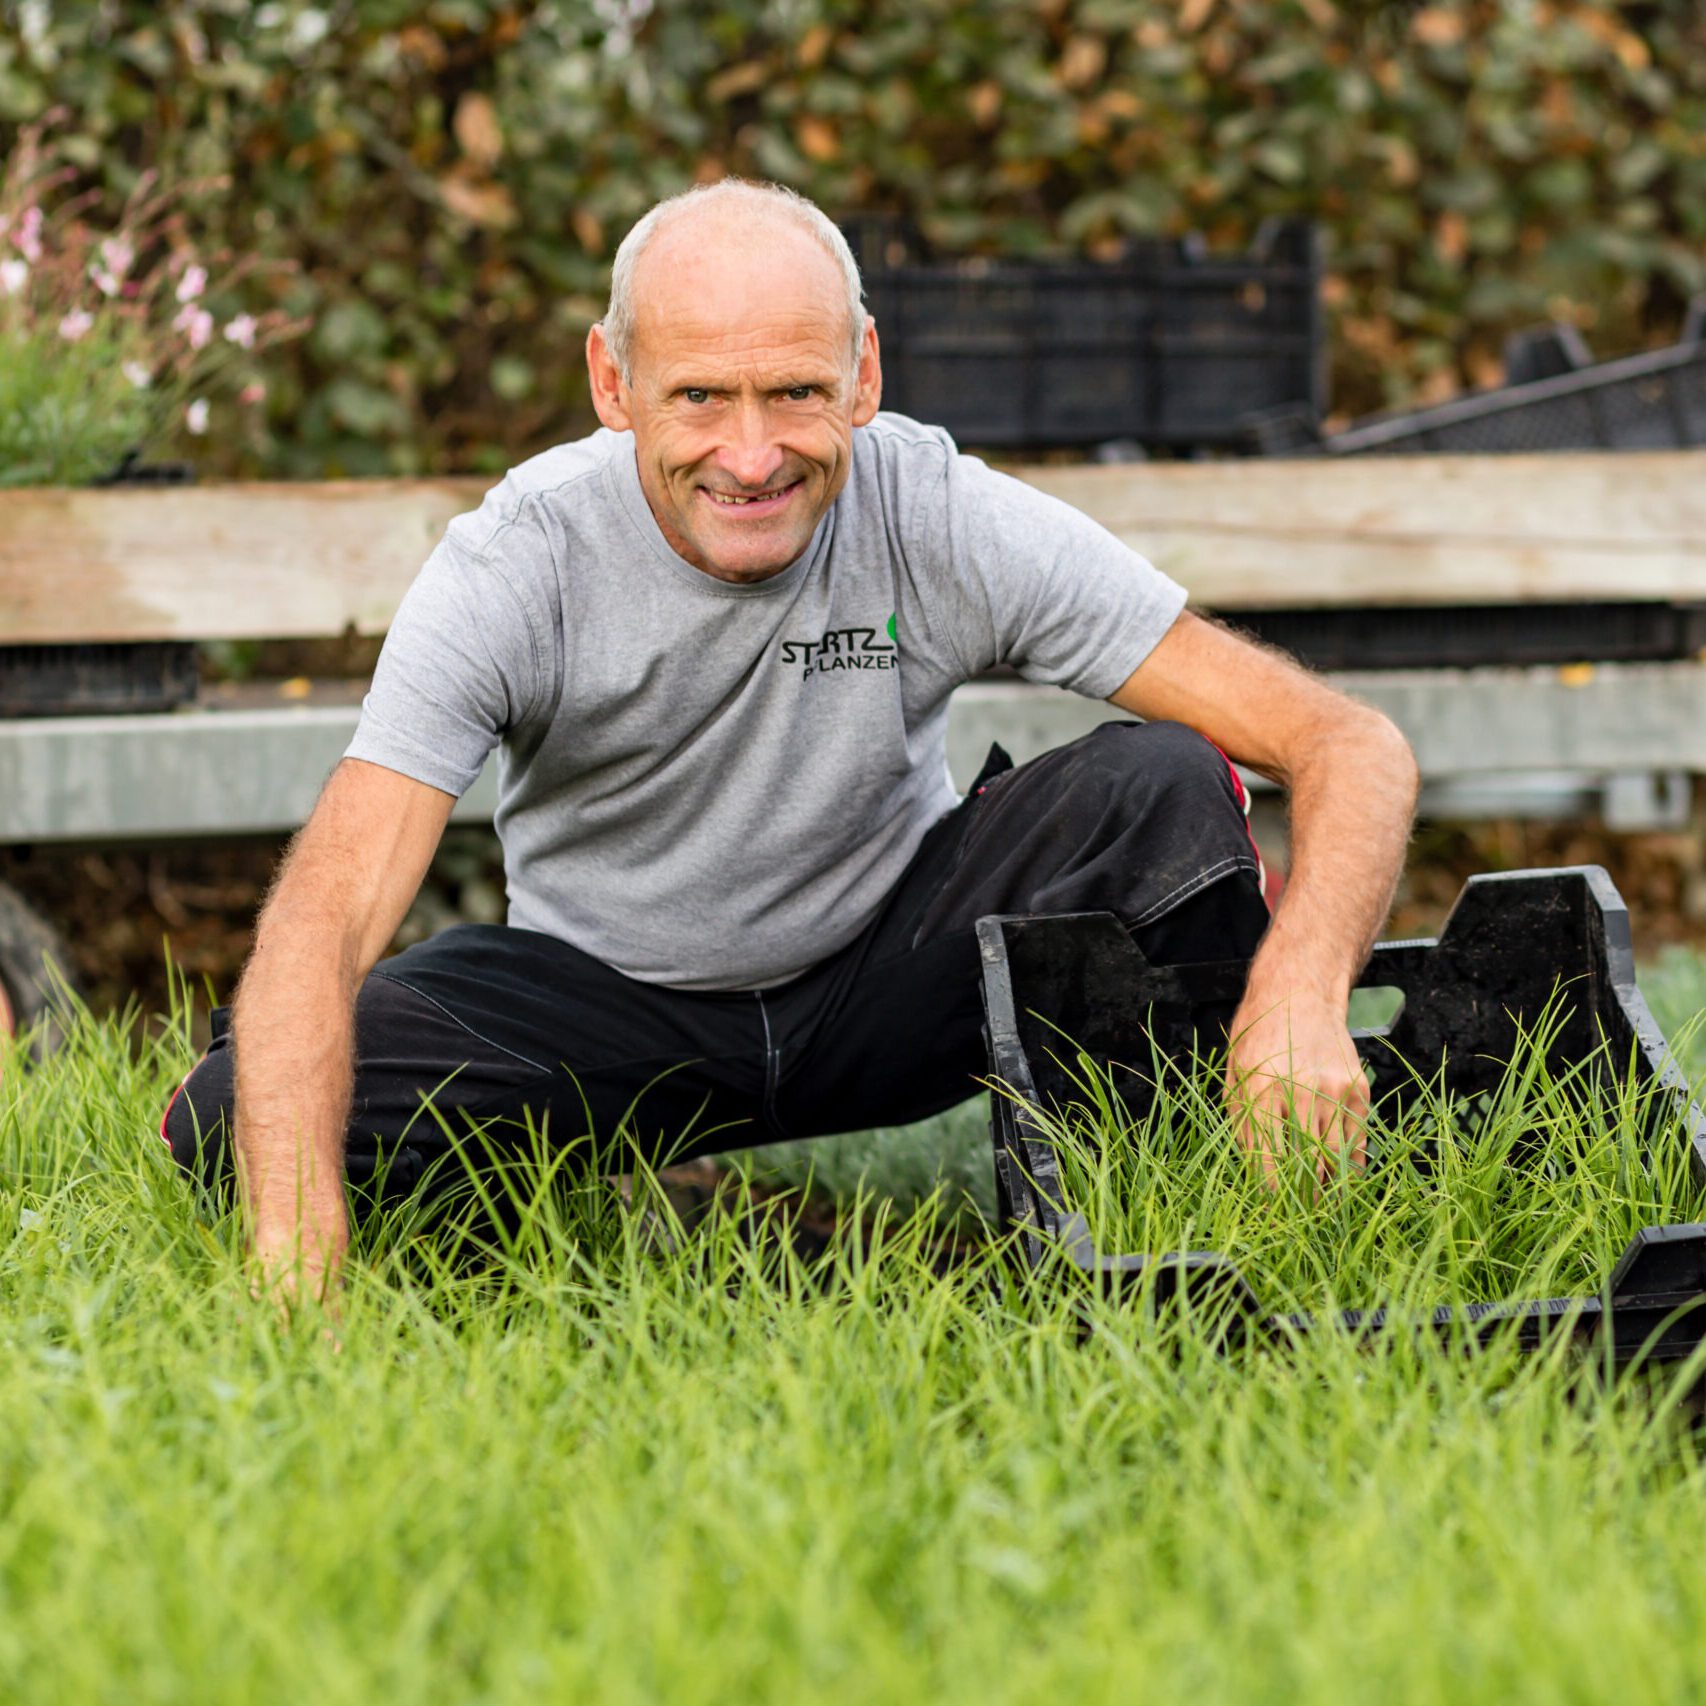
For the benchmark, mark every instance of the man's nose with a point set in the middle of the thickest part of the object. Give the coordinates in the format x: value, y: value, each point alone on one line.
x: 750, y: 454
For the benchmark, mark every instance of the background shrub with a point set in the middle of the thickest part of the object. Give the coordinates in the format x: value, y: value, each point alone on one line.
x: 450, y: 179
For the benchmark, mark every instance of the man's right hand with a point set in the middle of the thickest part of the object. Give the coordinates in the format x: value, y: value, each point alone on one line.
x: 345, y: 886
x: 301, y: 1263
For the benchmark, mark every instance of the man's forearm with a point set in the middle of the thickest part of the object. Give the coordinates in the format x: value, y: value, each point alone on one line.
x: 1353, y: 796
x: 293, y: 1026
x: 345, y: 885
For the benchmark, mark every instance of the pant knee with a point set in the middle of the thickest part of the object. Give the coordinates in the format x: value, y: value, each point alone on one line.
x: 1154, y: 772
x: 1163, y: 756
x: 197, y: 1122
x: 1164, y: 804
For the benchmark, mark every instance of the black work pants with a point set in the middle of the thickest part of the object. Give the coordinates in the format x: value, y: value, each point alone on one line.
x: 500, y: 1026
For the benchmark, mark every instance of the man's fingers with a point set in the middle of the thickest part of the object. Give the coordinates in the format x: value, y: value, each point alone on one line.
x: 1350, y: 1121
x: 1264, y: 1124
x: 1333, y: 1136
x: 1275, y: 1116
x: 1358, y: 1111
x: 1341, y: 1123
x: 301, y: 1282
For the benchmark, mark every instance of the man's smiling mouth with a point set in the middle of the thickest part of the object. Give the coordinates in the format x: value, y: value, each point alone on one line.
x: 743, y: 500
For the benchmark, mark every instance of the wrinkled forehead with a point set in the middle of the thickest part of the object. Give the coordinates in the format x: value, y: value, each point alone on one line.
x: 753, y: 281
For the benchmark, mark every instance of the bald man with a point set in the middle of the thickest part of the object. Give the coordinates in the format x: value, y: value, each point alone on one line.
x: 713, y: 646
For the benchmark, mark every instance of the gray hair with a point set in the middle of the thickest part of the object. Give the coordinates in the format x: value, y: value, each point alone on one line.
x: 774, y: 198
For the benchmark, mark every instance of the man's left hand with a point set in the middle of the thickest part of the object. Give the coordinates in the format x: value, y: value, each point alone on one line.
x: 1292, y: 1069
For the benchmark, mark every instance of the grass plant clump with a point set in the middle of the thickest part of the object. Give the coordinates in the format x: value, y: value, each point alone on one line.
x: 610, y: 1466
x: 1532, y: 1187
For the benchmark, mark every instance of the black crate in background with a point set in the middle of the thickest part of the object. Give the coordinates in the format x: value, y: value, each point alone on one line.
x: 1465, y: 636
x: 1557, y: 398
x: 87, y: 680
x: 1166, y: 345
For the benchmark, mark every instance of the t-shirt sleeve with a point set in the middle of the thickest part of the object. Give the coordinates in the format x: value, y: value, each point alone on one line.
x: 459, y: 669
x: 1037, y: 585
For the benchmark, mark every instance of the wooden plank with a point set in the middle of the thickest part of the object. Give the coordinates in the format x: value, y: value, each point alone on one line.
x: 276, y: 560
x: 1409, y: 530
x: 263, y: 560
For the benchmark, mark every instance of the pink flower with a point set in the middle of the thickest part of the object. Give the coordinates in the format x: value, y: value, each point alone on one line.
x: 105, y: 282
x: 28, y: 237
x: 14, y: 274
x: 195, y: 416
x: 253, y: 393
x: 75, y: 325
x: 137, y: 374
x: 241, y: 331
x: 192, y: 284
x: 195, y: 323
x: 117, y: 254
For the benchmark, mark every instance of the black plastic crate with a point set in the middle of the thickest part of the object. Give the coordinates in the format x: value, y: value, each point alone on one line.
x: 1472, y: 635
x: 1558, y: 399
x: 133, y: 471
x: 87, y: 680
x: 1168, y: 345
x: 1516, y: 948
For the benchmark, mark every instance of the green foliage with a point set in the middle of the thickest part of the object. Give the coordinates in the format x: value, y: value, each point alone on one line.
x: 105, y: 328
x: 452, y: 178
x: 68, y: 414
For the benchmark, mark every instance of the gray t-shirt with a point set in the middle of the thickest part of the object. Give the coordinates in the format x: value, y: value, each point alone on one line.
x: 713, y: 786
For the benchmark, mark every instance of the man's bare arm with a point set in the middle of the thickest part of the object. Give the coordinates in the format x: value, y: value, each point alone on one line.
x: 1352, y: 783
x: 345, y: 885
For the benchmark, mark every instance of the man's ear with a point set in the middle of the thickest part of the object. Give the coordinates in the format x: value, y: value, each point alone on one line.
x: 608, y: 390
x: 868, y: 385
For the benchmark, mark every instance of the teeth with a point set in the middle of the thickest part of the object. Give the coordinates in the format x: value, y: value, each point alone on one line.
x: 730, y: 498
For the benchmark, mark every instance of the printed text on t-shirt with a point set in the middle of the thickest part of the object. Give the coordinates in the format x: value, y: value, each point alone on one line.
x: 840, y: 648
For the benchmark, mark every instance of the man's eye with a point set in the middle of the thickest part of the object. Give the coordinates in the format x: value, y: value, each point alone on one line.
x: 697, y: 394
x: 799, y: 393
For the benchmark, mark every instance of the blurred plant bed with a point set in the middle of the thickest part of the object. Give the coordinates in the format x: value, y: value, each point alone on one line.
x: 123, y: 910
x: 1660, y: 873
x: 119, y: 333
x: 344, y: 657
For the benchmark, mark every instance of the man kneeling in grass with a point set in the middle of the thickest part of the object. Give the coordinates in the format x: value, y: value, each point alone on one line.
x: 713, y: 644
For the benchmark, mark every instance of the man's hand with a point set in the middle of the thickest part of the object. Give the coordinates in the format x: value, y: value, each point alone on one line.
x: 345, y: 885
x: 297, y: 1262
x: 1352, y: 783
x: 1293, y: 1076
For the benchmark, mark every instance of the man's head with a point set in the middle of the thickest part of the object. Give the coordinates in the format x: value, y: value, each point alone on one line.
x: 737, y: 349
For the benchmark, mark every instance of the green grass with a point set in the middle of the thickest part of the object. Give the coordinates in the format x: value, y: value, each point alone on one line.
x: 595, y: 1471
x: 945, y: 1160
